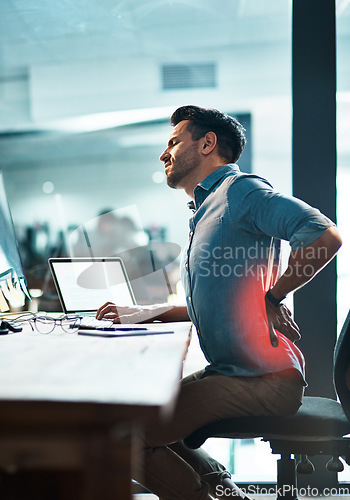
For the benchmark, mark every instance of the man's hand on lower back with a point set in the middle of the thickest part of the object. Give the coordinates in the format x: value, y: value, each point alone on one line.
x: 280, y: 318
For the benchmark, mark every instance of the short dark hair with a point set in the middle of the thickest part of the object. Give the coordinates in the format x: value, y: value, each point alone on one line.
x: 229, y: 132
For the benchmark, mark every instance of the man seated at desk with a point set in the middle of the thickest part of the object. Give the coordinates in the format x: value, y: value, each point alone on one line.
x: 234, y: 295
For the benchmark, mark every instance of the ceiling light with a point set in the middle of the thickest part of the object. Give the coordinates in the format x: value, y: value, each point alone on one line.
x: 48, y: 187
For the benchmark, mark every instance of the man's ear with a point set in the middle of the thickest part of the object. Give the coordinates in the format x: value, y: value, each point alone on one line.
x: 209, y: 142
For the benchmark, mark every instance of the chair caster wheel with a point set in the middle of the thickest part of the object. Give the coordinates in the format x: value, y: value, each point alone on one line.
x: 305, y: 466
x: 335, y: 465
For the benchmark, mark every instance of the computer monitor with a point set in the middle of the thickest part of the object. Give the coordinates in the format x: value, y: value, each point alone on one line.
x: 12, y: 277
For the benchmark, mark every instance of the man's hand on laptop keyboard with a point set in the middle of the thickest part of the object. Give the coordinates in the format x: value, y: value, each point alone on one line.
x: 131, y: 314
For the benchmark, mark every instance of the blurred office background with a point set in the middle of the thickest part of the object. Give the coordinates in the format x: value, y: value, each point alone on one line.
x: 86, y: 91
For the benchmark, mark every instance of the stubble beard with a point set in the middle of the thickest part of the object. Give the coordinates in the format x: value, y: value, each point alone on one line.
x: 184, y: 165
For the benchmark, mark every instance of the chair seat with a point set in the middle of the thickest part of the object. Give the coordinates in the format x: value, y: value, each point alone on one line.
x: 317, y: 419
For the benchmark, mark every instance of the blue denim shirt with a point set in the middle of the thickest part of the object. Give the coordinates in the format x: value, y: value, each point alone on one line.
x: 232, y: 259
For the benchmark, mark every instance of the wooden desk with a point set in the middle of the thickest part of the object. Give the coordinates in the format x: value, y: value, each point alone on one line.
x: 74, y: 402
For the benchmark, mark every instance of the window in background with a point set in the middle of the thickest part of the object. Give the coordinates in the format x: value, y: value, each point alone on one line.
x: 343, y: 160
x: 343, y: 152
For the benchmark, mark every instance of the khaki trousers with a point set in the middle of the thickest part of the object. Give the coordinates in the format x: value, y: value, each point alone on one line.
x: 174, y: 472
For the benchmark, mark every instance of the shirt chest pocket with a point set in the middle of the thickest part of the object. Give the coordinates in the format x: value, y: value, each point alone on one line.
x: 207, y: 240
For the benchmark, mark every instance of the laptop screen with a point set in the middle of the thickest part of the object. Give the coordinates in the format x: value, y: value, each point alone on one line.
x: 83, y: 285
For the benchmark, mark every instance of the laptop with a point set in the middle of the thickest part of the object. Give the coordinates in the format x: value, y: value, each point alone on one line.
x: 85, y: 284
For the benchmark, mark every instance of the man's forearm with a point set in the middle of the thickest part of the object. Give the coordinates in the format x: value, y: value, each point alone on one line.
x: 176, y: 313
x: 306, y: 262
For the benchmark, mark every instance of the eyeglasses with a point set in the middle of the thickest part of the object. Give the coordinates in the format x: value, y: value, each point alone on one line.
x: 46, y: 324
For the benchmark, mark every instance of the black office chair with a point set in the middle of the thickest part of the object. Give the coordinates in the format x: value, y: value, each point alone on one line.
x: 317, y: 428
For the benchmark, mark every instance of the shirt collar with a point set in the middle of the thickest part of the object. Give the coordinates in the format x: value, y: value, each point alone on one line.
x: 217, y: 175
x: 208, y: 183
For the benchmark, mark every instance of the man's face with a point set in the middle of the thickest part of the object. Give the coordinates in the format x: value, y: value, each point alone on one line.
x: 181, y: 156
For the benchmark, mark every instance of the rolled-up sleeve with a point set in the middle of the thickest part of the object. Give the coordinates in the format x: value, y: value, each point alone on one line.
x: 310, y: 232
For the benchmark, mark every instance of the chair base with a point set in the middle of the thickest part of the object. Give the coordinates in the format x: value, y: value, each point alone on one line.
x: 332, y: 447
x: 286, y: 478
x: 286, y: 466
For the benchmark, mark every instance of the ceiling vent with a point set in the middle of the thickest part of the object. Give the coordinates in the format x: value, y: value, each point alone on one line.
x: 189, y: 76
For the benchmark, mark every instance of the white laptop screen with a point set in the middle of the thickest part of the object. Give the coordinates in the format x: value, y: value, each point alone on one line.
x: 84, y: 285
